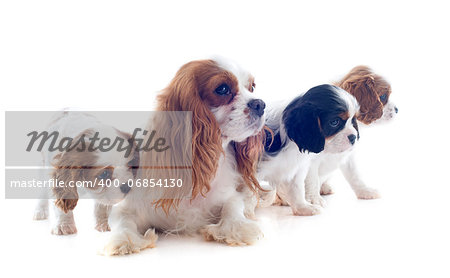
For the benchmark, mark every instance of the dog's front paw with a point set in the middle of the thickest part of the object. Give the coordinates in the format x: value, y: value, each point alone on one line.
x: 235, y: 234
x: 317, y: 200
x: 67, y: 228
x: 250, y: 214
x: 102, y: 227
x: 367, y: 193
x: 120, y: 247
x: 128, y: 243
x: 266, y: 199
x: 326, y: 189
x: 306, y: 210
x: 40, y: 214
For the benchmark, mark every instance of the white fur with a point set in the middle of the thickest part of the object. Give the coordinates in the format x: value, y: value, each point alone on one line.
x: 389, y: 113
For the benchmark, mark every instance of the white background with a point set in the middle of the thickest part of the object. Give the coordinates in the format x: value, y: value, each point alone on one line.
x: 116, y: 55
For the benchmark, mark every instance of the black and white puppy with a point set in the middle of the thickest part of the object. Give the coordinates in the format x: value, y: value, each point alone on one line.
x: 313, y: 135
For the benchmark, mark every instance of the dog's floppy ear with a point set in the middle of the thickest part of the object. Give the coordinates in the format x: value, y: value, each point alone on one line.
x: 302, y: 125
x: 247, y: 155
x: 361, y: 83
x: 183, y: 94
x: 66, y: 196
x: 69, y: 167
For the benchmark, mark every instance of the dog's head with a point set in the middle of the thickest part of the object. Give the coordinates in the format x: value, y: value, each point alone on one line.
x: 104, y: 175
x: 372, y: 92
x: 323, y: 119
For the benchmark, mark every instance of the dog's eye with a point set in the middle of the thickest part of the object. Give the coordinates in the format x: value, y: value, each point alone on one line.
x: 383, y: 98
x: 222, y: 90
x: 335, y: 122
x: 106, y: 174
x: 252, y: 87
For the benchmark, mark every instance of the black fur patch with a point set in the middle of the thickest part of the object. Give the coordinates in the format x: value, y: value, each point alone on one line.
x: 311, y: 118
x: 273, y: 145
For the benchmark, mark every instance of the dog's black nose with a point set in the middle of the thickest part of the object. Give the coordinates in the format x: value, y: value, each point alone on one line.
x: 396, y: 109
x: 257, y: 106
x: 352, y: 138
x: 125, y: 188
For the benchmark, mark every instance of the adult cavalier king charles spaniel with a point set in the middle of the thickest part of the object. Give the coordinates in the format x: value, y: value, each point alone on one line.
x: 226, y: 141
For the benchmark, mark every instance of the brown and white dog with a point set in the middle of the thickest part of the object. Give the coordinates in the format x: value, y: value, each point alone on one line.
x: 82, y: 168
x: 226, y: 126
x: 372, y: 92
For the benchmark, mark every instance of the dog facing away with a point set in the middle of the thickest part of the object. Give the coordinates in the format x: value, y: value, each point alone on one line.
x: 84, y: 171
x: 316, y: 126
x: 226, y: 140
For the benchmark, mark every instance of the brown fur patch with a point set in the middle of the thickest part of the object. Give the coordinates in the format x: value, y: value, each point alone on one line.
x: 248, y: 154
x: 344, y: 116
x: 366, y: 87
x: 71, y: 166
